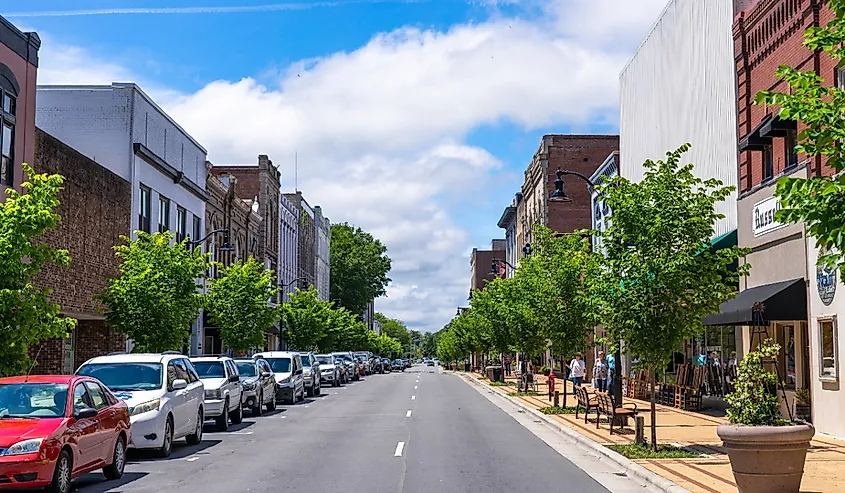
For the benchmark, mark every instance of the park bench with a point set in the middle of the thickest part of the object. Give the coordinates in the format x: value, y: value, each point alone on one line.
x: 586, y: 402
x: 606, y: 407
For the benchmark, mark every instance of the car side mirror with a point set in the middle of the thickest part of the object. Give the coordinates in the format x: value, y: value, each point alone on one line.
x: 234, y: 378
x: 85, y: 413
x: 298, y: 372
x: 179, y: 384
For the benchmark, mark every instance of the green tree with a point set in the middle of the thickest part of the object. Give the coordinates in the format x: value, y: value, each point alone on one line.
x: 429, y: 343
x: 306, y: 320
x: 155, y: 298
x: 344, y: 332
x: 359, y: 266
x: 660, y: 278
x: 395, y: 329
x: 448, y: 348
x: 237, y: 302
x: 384, y: 345
x: 818, y: 201
x: 27, y: 316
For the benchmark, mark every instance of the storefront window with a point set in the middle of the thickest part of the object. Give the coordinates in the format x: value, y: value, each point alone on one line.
x: 828, y: 336
x: 787, y: 356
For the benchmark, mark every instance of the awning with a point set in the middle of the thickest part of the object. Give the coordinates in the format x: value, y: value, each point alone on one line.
x: 785, y: 300
x: 726, y: 240
x: 754, y: 141
x: 775, y: 127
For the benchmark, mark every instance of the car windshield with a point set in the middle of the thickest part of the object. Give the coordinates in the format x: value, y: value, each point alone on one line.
x: 32, y: 400
x: 306, y: 362
x: 279, y: 365
x: 210, y: 369
x: 398, y: 362
x: 125, y: 376
x: 247, y: 369
x: 324, y: 360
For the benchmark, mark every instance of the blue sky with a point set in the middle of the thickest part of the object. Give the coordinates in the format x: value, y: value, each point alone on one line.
x: 414, y: 120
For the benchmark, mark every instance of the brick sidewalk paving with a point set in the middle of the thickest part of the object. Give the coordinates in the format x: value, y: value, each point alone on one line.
x: 824, y: 471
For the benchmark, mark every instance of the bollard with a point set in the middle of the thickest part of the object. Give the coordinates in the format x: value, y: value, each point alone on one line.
x: 640, y: 430
x: 557, y: 398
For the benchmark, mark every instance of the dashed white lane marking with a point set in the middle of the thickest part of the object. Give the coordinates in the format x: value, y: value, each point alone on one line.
x: 408, y: 414
x: 413, y: 397
x: 399, y: 447
x: 191, y: 459
x: 415, y: 387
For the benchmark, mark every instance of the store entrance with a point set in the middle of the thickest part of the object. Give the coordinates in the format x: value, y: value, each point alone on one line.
x: 715, y: 349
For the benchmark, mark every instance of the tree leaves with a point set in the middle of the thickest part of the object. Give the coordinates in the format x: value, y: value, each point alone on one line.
x: 359, y: 267
x: 27, y: 316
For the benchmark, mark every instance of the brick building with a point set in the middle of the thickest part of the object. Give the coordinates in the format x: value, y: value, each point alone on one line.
x: 95, y: 211
x: 581, y: 153
x: 18, y: 71
x: 481, y: 262
x: 226, y: 210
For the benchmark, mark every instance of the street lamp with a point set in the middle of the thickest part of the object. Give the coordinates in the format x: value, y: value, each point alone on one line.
x: 285, y: 285
x: 225, y: 247
x: 526, y: 250
x: 559, y: 195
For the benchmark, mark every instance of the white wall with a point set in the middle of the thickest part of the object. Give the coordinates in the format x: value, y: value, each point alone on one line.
x: 288, y: 243
x: 680, y: 87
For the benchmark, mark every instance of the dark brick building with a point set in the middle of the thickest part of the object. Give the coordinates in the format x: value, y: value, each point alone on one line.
x: 18, y: 70
x: 581, y: 153
x: 95, y: 209
x: 481, y: 262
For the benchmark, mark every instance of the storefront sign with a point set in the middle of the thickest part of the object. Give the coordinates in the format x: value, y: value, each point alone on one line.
x: 763, y: 220
x: 826, y: 282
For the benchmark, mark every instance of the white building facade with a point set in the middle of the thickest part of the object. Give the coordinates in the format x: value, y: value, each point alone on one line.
x: 125, y: 131
x: 323, y: 237
x: 680, y: 87
x: 288, y: 245
x: 508, y: 222
x: 600, y: 211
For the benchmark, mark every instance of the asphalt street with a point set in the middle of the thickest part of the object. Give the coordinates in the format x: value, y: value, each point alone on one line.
x: 416, y: 431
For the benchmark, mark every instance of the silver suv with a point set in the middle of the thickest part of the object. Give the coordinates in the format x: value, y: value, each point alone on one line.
x: 288, y: 372
x: 311, y: 373
x: 222, y: 383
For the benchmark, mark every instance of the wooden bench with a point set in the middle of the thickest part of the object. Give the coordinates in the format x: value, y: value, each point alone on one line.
x: 586, y: 402
x: 688, y: 391
x: 606, y: 407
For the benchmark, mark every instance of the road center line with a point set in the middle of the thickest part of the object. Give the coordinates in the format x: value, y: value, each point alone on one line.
x: 413, y: 397
x: 415, y: 387
x: 399, y: 447
x: 408, y: 414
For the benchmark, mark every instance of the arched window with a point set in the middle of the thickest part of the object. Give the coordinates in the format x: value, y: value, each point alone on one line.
x: 9, y: 90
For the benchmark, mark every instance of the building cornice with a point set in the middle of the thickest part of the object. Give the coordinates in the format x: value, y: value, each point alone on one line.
x: 26, y: 45
x: 174, y: 174
x: 508, y: 217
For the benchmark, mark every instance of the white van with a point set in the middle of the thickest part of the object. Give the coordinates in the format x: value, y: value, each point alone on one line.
x: 288, y: 372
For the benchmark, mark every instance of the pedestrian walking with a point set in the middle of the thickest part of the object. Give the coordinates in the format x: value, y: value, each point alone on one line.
x: 600, y: 372
x: 508, y: 365
x: 577, y: 370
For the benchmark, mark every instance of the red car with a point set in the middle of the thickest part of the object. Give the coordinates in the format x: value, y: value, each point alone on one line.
x: 56, y: 428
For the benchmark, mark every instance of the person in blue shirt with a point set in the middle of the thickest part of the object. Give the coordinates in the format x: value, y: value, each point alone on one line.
x: 611, y: 372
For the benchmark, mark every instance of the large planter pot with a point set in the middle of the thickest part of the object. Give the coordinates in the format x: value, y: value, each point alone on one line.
x: 767, y: 459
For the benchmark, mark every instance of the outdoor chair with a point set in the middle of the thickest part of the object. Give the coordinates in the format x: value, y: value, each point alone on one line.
x: 586, y: 402
x: 606, y: 407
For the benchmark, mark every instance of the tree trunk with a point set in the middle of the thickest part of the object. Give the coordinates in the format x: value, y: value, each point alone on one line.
x: 652, y: 381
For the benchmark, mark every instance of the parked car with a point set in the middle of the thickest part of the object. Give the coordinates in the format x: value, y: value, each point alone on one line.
x: 223, y: 393
x: 48, y: 439
x: 407, y: 363
x: 330, y: 369
x: 311, y: 374
x: 375, y: 365
x: 288, y: 372
x: 257, y: 385
x: 429, y: 363
x: 350, y: 363
x: 166, y: 397
x: 387, y: 364
x: 398, y: 365
x: 363, y: 358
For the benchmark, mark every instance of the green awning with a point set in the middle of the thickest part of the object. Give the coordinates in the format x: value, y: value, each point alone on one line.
x: 724, y: 241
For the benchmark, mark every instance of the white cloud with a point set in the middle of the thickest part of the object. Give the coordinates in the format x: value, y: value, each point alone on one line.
x: 380, y: 130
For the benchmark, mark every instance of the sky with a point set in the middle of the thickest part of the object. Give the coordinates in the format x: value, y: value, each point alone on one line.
x: 413, y: 119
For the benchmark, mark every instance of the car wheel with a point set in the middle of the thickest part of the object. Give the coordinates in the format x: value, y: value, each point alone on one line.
x: 309, y: 390
x: 167, y: 445
x: 118, y: 462
x: 62, y: 474
x: 271, y: 406
x: 222, y: 421
x: 196, y: 437
x: 237, y: 415
x: 318, y: 391
x: 258, y: 408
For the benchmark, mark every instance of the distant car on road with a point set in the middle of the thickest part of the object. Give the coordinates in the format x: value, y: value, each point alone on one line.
x: 398, y: 365
x: 166, y: 397
x: 375, y: 365
x: 429, y: 363
x: 57, y: 428
x: 257, y: 384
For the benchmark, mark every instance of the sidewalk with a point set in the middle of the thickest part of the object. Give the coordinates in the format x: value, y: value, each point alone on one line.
x: 824, y: 471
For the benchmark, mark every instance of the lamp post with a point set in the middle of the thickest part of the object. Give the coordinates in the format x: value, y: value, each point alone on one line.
x: 226, y: 247
x: 494, y: 266
x: 559, y: 195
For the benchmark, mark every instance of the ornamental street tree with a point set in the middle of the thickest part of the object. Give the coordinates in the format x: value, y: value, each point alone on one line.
x: 306, y: 319
x: 156, y: 297
x: 818, y: 201
x: 344, y: 332
x: 384, y: 345
x: 359, y: 266
x: 395, y: 329
x: 27, y: 316
x: 660, y: 278
x: 237, y: 303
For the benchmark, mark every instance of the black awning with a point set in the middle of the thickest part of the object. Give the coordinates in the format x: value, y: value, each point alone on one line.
x: 775, y: 127
x: 754, y: 141
x: 785, y: 300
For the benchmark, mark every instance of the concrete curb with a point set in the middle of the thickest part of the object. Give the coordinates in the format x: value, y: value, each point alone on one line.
x: 631, y: 468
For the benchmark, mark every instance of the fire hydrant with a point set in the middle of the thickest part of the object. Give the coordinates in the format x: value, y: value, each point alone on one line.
x: 551, y: 382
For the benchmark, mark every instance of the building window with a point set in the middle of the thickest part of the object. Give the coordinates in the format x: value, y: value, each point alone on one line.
x: 181, y: 224
x: 197, y: 231
x: 789, y: 143
x: 7, y: 137
x: 768, y: 164
x: 827, y: 348
x: 144, y: 213
x: 163, y: 214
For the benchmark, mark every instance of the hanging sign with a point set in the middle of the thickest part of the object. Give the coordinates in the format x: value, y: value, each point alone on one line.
x: 763, y: 216
x: 826, y: 283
